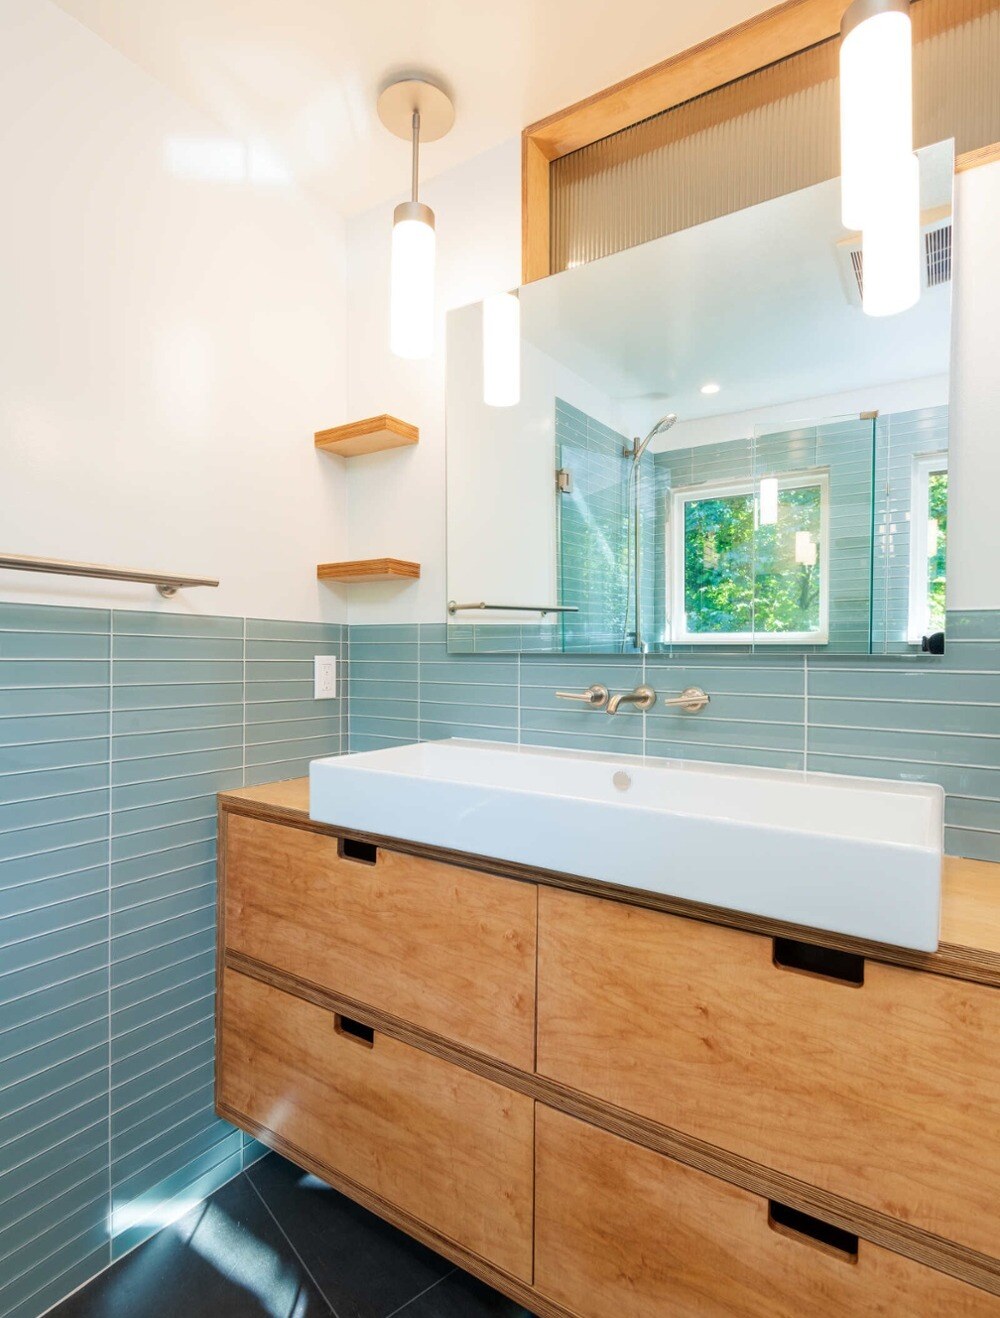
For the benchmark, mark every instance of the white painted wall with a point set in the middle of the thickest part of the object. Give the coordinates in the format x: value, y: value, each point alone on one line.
x: 974, y: 464
x: 398, y: 505
x: 171, y: 333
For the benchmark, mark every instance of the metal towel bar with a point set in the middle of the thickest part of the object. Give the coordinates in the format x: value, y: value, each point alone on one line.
x: 543, y: 609
x: 167, y: 583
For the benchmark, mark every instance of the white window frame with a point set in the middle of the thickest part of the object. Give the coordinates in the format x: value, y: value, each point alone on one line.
x: 677, y: 630
x: 917, y: 615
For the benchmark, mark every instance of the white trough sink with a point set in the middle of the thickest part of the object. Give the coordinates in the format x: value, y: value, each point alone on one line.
x: 854, y: 856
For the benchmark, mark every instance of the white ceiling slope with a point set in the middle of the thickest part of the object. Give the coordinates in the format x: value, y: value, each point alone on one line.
x: 298, y: 79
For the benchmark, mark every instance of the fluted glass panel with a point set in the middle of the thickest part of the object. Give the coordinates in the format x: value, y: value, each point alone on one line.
x: 765, y: 135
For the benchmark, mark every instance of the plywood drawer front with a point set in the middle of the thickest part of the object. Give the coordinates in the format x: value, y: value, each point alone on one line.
x: 442, y: 1144
x: 625, y: 1231
x: 442, y: 947
x: 887, y: 1094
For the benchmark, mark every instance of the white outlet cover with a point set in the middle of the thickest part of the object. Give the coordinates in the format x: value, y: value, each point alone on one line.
x: 324, y: 677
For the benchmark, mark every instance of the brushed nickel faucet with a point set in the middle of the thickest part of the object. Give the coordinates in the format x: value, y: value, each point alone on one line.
x: 692, y: 699
x: 643, y: 697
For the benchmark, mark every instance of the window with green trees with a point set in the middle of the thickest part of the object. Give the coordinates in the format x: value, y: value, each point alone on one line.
x: 736, y: 576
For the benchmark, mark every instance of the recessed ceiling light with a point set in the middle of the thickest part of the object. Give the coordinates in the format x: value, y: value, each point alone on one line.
x: 711, y: 387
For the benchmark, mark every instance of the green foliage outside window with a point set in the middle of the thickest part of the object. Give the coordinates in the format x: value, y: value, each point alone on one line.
x: 742, y: 578
x: 937, y: 511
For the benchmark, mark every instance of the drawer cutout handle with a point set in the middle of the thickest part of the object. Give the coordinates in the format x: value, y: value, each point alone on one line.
x: 813, y: 1231
x: 351, y: 848
x: 842, y: 967
x: 354, y: 1030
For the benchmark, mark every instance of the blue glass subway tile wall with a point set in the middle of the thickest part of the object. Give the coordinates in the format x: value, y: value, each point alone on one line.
x: 116, y: 731
x: 930, y: 719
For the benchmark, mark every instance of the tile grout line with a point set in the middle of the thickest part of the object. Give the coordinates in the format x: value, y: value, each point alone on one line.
x: 291, y: 1246
x: 420, y: 1294
x: 111, y: 733
x: 243, y: 779
x: 805, y: 712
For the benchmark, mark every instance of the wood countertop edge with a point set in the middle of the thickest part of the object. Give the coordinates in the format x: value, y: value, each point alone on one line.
x: 970, y: 895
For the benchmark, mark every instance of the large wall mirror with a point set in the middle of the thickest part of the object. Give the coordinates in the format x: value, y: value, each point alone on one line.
x: 710, y: 445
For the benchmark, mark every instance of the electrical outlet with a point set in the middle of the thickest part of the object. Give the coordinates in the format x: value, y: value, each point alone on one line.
x: 324, y: 677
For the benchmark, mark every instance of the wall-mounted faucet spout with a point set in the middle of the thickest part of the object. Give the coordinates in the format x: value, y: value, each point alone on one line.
x: 643, y: 697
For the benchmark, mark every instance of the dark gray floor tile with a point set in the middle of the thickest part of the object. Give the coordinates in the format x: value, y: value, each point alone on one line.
x: 462, y: 1296
x: 225, y: 1259
x: 364, y: 1266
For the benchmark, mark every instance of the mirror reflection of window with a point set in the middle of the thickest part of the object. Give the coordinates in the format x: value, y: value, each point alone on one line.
x: 750, y: 564
x: 928, y: 545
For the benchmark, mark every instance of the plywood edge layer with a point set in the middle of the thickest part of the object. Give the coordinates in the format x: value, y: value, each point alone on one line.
x: 372, y: 435
x: 369, y: 569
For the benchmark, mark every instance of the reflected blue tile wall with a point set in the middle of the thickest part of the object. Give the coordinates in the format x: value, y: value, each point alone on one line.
x: 116, y: 731
x: 932, y: 719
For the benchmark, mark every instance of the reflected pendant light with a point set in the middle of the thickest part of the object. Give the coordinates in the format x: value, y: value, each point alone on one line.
x: 417, y: 110
x: 768, y: 501
x: 880, y: 175
x: 890, y: 242
x: 501, y: 350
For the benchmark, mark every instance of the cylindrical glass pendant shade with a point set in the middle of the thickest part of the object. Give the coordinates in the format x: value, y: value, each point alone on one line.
x: 876, y: 98
x: 501, y: 350
x: 891, y: 241
x: 768, y: 501
x: 411, y: 309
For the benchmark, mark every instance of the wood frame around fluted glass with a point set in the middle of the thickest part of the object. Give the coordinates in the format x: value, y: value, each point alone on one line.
x: 773, y: 35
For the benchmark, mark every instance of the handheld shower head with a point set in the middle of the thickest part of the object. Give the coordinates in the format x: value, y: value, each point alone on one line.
x: 661, y: 427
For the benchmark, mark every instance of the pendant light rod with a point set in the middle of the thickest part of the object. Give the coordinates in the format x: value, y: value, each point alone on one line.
x: 415, y: 167
x: 411, y: 108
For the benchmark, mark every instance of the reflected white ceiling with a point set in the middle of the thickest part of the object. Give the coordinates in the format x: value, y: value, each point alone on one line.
x: 297, y: 79
x: 757, y: 302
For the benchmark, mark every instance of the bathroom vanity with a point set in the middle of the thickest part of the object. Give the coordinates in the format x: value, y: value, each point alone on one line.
x: 606, y: 1101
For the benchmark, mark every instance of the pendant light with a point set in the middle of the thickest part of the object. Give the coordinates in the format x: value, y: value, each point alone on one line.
x: 415, y: 109
x: 876, y: 99
x: 880, y: 175
x: 501, y: 350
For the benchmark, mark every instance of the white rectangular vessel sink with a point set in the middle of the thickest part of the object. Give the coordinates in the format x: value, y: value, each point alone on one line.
x: 854, y: 856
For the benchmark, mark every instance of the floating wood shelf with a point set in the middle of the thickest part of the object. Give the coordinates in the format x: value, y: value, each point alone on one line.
x: 369, y: 569
x: 371, y: 436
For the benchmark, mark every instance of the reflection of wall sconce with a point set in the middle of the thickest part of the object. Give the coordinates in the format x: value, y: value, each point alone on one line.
x: 880, y: 175
x: 805, y: 549
x: 710, y: 554
x: 413, y: 108
x: 501, y: 350
x: 768, y: 501
x: 933, y: 534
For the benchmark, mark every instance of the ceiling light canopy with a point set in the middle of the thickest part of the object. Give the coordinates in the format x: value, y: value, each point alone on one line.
x: 415, y: 109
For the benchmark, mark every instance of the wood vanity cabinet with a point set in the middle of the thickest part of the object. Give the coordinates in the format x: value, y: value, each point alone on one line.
x: 885, y: 1092
x: 604, y: 1109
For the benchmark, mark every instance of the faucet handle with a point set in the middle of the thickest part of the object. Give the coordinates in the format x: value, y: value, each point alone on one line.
x: 596, y: 696
x: 692, y: 700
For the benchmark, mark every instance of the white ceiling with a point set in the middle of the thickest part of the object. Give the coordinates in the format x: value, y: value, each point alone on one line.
x: 299, y: 78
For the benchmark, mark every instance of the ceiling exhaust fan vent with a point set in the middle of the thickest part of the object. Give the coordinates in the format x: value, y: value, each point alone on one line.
x: 936, y: 260
x: 937, y: 255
